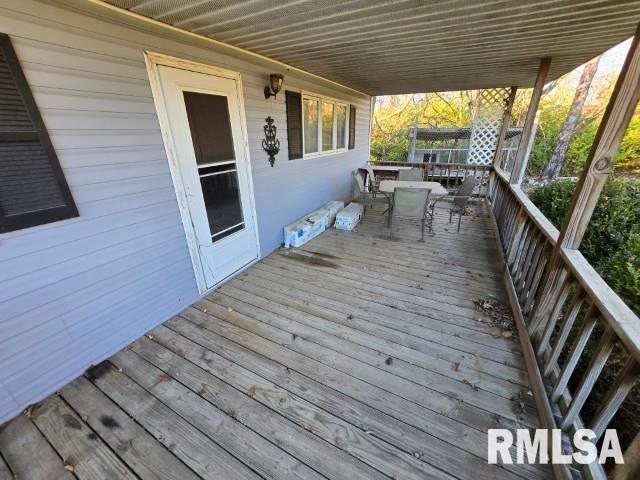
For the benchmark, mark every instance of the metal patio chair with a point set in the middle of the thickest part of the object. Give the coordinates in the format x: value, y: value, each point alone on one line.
x: 374, y: 182
x: 458, y: 202
x: 364, y: 195
x: 411, y: 203
x: 411, y: 174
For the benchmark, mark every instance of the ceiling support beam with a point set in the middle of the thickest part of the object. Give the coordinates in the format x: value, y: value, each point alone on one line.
x: 520, y: 163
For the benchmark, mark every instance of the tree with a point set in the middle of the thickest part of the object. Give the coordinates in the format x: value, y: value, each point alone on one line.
x: 570, y: 124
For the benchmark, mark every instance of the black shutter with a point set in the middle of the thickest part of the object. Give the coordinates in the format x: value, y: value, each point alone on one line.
x: 33, y: 190
x: 352, y: 127
x: 294, y: 124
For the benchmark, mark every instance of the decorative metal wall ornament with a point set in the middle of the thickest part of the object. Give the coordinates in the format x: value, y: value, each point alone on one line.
x: 270, y: 144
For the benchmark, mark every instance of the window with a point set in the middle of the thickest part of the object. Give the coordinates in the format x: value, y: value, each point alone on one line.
x: 310, y: 125
x: 33, y: 190
x: 327, y: 126
x: 341, y: 126
x: 324, y: 125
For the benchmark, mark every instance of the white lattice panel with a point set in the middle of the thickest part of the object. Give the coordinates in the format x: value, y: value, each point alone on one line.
x: 486, y: 124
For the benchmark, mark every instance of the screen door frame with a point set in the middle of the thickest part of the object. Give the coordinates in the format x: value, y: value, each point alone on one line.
x: 154, y: 60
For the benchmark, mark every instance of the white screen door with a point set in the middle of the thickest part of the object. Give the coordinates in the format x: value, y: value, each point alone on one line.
x: 205, y: 123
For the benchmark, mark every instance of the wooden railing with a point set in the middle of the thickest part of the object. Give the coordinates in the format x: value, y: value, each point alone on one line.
x: 450, y: 175
x: 571, y: 319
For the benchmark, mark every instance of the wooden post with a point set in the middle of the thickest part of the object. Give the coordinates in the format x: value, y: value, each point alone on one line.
x: 605, y: 146
x: 413, y: 136
x: 506, y: 120
x: 520, y: 163
x: 372, y: 112
x: 603, y: 151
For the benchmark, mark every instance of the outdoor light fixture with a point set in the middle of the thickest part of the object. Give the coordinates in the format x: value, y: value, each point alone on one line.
x: 275, y: 85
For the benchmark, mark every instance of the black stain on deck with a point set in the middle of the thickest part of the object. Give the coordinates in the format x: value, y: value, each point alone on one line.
x: 325, y: 255
x: 71, y: 422
x: 92, y: 436
x: 109, y: 422
x: 314, y: 260
x: 94, y: 373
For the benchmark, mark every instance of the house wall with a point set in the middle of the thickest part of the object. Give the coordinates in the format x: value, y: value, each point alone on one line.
x: 74, y: 292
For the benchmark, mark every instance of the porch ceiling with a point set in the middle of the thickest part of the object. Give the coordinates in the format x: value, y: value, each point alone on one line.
x: 404, y: 46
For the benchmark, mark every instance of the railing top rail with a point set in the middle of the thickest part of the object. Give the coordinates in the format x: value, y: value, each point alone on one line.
x: 614, y: 311
x: 545, y: 226
x: 467, y: 166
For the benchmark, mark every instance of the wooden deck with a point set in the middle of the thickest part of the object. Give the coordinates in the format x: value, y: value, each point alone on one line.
x: 354, y: 357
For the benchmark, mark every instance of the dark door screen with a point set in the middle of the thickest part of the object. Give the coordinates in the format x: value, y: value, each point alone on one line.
x: 215, y: 158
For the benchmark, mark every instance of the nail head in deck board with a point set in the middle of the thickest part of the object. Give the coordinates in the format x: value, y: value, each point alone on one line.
x: 90, y: 459
x: 28, y: 453
x: 140, y: 450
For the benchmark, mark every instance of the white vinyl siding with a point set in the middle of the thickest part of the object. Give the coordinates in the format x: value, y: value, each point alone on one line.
x: 74, y: 292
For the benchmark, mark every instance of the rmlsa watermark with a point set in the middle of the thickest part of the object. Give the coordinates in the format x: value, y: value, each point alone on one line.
x: 536, y: 449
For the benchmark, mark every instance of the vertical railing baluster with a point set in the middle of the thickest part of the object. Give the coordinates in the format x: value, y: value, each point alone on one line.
x: 532, y: 244
x: 551, y: 322
x: 603, y: 350
x: 537, y: 278
x: 623, y: 384
x: 577, y: 348
x: 559, y: 296
x: 563, y: 334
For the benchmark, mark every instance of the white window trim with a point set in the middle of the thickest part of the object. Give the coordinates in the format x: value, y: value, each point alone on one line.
x: 335, y: 101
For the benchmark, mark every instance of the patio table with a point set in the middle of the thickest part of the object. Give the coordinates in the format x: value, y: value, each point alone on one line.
x: 437, y: 190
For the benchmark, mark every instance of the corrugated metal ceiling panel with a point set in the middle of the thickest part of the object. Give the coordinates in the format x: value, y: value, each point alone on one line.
x: 403, y: 46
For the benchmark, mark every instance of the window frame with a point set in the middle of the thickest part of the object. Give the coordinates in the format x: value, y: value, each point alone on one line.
x: 322, y: 99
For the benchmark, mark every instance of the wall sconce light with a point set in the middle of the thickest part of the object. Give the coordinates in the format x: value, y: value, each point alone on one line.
x: 275, y: 85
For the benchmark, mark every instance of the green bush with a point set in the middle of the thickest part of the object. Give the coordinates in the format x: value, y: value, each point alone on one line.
x: 394, y: 145
x: 624, y: 272
x: 612, y: 241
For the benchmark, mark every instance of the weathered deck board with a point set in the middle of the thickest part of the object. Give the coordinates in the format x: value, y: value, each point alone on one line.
x: 72, y: 438
x: 146, y: 457
x: 356, y: 356
x: 384, y: 340
x: 5, y: 474
x: 28, y: 453
x: 377, y: 355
